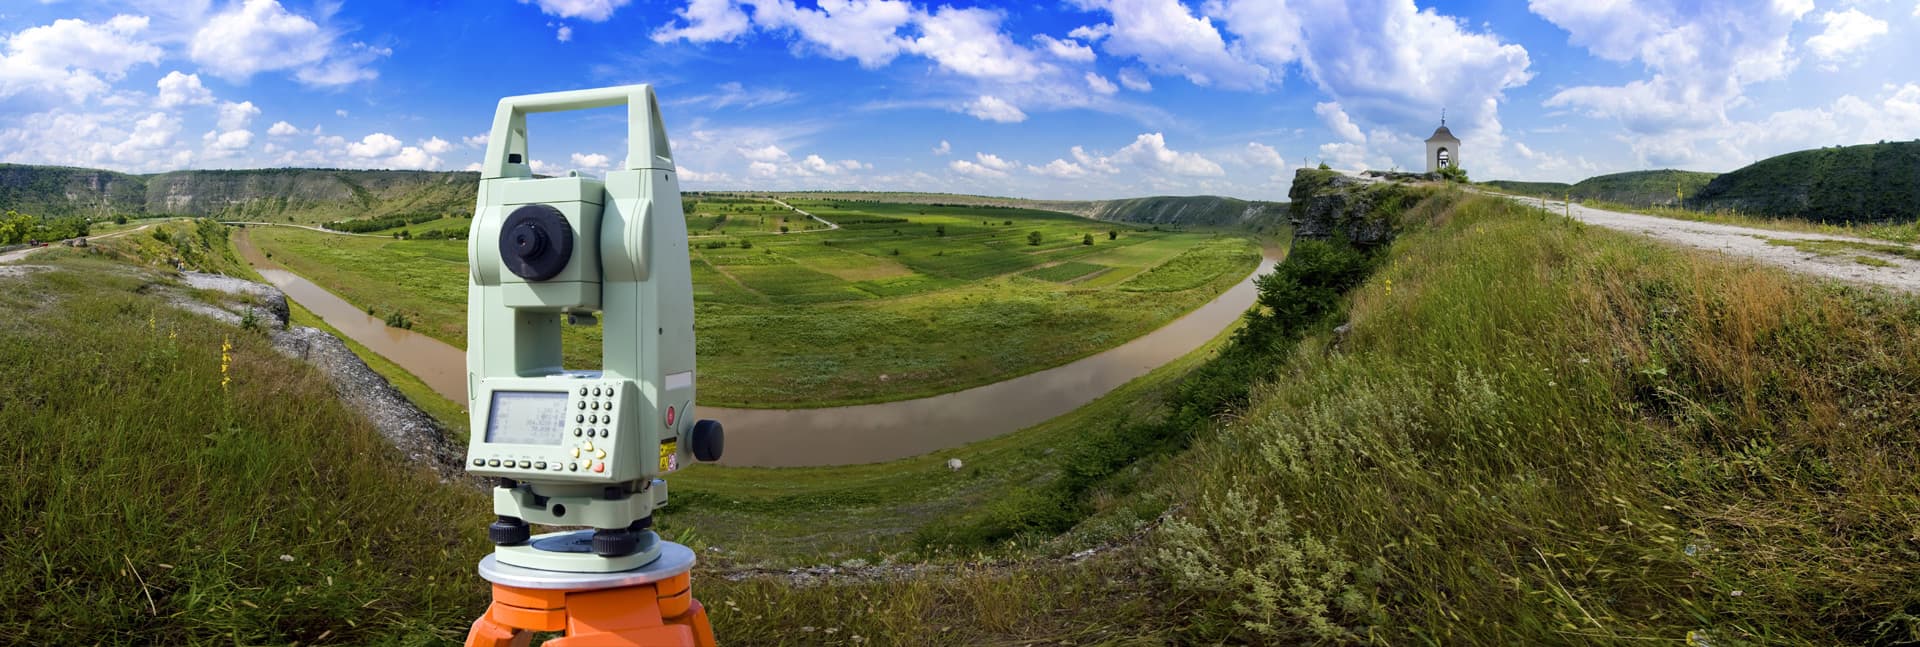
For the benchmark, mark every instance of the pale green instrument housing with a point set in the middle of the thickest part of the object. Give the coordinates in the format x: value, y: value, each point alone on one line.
x: 630, y: 266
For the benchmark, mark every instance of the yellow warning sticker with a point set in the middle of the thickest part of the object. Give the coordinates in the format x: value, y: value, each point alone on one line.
x: 669, y: 456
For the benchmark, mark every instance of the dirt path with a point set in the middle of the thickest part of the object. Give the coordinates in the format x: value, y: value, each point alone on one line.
x: 15, y: 255
x: 1749, y: 242
x: 830, y: 226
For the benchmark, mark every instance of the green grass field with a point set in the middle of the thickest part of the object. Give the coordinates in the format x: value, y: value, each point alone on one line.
x: 1529, y: 431
x: 276, y: 516
x: 903, y: 301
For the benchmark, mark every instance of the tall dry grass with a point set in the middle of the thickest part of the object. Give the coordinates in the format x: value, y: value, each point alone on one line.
x: 1550, y: 433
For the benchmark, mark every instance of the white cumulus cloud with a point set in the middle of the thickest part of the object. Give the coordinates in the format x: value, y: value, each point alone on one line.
x: 767, y: 153
x: 592, y: 161
x: 706, y: 21
x: 375, y: 145
x: 588, y: 10
x: 1059, y: 169
x: 261, y: 35
x: 1100, y: 84
x: 1169, y: 39
x: 1338, y: 122
x: 992, y: 108
x: 235, y: 116
x: 74, y: 58
x: 178, y: 89
x: 1845, y: 32
x: 282, y: 129
x: 1066, y: 49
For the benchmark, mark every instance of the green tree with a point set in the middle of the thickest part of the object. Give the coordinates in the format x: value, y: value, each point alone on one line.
x: 746, y: 243
x: 939, y: 230
x: 1033, y: 238
x: 1113, y: 234
x: 1087, y: 239
x: 119, y: 218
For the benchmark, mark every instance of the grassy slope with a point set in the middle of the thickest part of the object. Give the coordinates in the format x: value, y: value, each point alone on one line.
x: 1866, y: 183
x: 1541, y: 432
x: 151, y: 505
x: 1633, y: 188
x: 962, y: 315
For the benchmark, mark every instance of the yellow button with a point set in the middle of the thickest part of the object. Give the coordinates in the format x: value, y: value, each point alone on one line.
x: 588, y: 446
x: 576, y: 452
x: 601, y: 453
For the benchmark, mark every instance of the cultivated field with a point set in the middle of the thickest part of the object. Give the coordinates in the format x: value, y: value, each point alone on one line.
x: 902, y: 301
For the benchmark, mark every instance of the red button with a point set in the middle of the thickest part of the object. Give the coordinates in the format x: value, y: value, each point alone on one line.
x: 669, y: 416
x: 599, y: 466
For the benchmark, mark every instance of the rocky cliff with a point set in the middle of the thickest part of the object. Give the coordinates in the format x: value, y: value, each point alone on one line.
x: 258, y: 194
x: 1328, y: 205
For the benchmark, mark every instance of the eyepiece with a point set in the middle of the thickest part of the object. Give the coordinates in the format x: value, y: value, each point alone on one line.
x: 536, y: 242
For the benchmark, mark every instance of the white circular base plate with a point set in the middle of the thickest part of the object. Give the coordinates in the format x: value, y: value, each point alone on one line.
x: 674, y: 559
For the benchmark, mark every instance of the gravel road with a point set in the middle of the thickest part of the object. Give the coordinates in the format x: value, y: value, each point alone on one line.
x: 1751, y: 243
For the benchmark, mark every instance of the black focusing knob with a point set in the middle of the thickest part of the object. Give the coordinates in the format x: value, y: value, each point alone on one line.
x: 536, y: 242
x: 708, y: 440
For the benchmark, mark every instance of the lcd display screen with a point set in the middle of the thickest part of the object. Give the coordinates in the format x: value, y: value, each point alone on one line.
x: 527, y: 417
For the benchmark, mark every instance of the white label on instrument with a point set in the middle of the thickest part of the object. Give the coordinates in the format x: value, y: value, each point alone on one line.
x: 679, y: 381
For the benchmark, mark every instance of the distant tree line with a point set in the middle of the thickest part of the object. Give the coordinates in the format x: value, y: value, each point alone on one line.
x: 364, y: 225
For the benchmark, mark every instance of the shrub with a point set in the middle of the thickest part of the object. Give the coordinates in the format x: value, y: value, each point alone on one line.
x: 1086, y: 239
x: 746, y: 243
x: 1277, y: 580
x: 1033, y: 238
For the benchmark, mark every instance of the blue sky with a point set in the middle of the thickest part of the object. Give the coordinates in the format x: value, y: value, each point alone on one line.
x: 1077, y: 99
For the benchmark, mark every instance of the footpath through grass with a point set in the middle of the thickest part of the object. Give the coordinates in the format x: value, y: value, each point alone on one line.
x: 1907, y: 233
x: 904, y: 301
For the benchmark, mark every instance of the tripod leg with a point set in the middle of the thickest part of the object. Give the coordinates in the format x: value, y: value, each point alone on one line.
x: 487, y: 633
x: 696, y: 619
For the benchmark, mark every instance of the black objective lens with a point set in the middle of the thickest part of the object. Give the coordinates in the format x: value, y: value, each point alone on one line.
x: 536, y: 242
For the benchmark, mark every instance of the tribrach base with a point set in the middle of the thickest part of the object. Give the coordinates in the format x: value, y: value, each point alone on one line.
x: 651, y: 606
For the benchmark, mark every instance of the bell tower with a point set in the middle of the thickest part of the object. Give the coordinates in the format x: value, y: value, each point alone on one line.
x: 1443, y: 149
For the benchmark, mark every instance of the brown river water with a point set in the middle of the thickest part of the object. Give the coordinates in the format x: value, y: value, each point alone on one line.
x: 865, y: 433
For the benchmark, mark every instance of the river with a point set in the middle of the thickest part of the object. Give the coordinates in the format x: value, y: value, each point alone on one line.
x: 865, y: 433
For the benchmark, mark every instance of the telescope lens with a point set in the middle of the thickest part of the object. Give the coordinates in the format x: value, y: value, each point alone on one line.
x: 536, y: 242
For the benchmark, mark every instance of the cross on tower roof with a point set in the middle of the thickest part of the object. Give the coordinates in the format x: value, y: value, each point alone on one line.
x: 1443, y: 116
